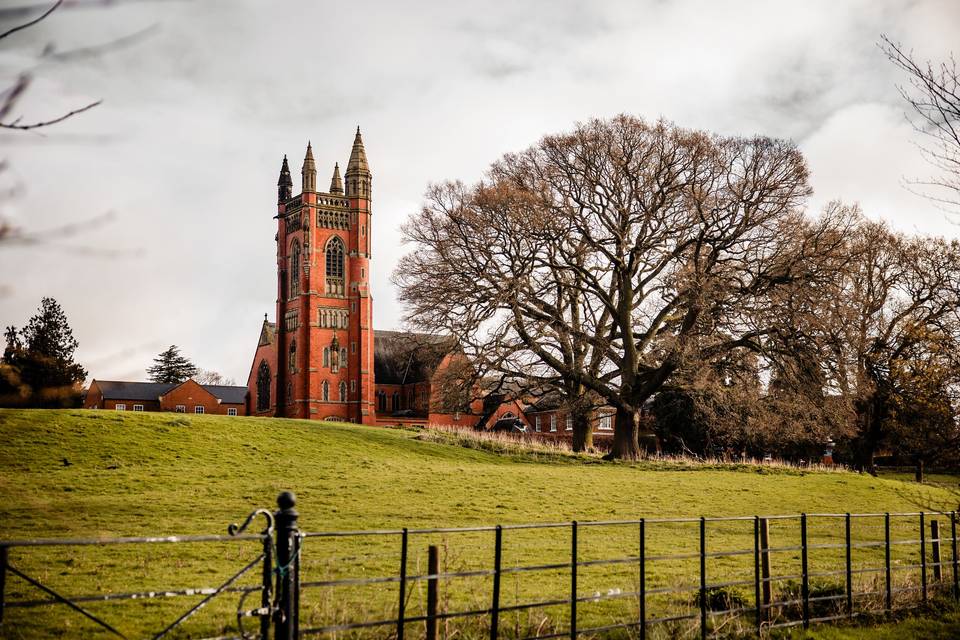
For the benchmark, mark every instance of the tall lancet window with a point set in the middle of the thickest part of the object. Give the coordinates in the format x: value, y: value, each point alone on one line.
x: 326, y: 391
x: 263, y: 386
x: 334, y: 264
x: 343, y: 392
x: 295, y: 269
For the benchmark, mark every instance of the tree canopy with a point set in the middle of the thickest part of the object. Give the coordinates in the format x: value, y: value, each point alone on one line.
x: 171, y: 366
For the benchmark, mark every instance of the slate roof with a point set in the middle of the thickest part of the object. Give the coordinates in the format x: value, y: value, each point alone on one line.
x: 404, y: 358
x: 227, y: 393
x: 121, y: 390
x: 118, y: 390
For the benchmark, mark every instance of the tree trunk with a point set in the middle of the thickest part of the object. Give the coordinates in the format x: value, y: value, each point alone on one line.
x: 870, y: 418
x: 626, y: 429
x: 918, y: 471
x: 582, y: 431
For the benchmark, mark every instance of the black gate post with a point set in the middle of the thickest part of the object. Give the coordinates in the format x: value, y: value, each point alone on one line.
x: 849, y: 565
x: 756, y: 574
x: 643, y: 579
x: 703, y: 577
x: 573, y: 580
x: 886, y: 560
x: 923, y: 557
x: 287, y: 543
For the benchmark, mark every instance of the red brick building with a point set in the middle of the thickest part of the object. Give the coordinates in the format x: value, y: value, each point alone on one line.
x: 183, y: 397
x: 322, y: 358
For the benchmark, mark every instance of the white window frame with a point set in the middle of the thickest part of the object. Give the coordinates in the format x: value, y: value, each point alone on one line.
x: 553, y: 423
x: 569, y: 422
x: 181, y: 408
x: 120, y: 406
x: 138, y: 407
x: 231, y: 411
x: 536, y: 422
x: 606, y: 422
x: 198, y: 409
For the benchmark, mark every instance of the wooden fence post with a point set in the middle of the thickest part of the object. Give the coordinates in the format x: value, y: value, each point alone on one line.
x: 403, y: 584
x: 935, y: 550
x: 433, y: 568
x: 765, y: 564
x: 573, y: 580
x: 495, y: 605
x: 643, y: 580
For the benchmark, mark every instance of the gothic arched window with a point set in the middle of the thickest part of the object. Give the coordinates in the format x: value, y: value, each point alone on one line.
x: 335, y: 253
x: 326, y: 356
x: 293, y: 356
x: 289, y: 393
x: 343, y: 357
x: 263, y: 386
x: 381, y: 401
x: 343, y: 392
x: 326, y: 391
x: 295, y: 268
x: 396, y: 401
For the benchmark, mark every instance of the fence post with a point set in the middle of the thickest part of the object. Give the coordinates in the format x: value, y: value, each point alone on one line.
x: 403, y: 583
x: 573, y: 579
x: 756, y: 573
x: 849, y: 565
x: 4, y: 560
x: 265, y: 603
x: 765, y: 565
x: 805, y: 580
x: 286, y: 529
x: 953, y: 546
x: 703, y: 577
x: 923, y: 557
x: 935, y: 550
x: 497, y: 560
x: 643, y: 580
x: 886, y: 559
x: 433, y: 568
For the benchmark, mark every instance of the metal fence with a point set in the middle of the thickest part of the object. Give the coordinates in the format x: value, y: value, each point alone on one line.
x: 629, y: 578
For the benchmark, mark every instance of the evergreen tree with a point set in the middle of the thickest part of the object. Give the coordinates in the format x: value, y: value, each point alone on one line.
x: 37, y: 367
x: 170, y: 366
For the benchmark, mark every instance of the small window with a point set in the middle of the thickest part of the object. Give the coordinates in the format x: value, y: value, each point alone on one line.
x: 181, y: 408
x: 606, y: 422
x: 536, y: 422
x: 569, y: 422
x: 553, y: 422
x: 231, y: 411
x: 363, y: 273
x: 353, y: 347
x: 198, y: 408
x: 343, y: 392
x: 326, y: 391
x: 353, y: 385
x: 326, y: 356
x: 121, y: 406
x: 353, y: 307
x: 343, y: 357
x: 138, y: 407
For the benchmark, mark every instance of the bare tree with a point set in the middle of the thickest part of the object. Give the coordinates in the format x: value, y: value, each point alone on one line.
x: 896, y: 299
x: 609, y: 256
x: 933, y: 93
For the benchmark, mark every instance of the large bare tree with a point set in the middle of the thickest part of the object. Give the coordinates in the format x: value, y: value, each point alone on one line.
x: 892, y: 307
x: 607, y: 257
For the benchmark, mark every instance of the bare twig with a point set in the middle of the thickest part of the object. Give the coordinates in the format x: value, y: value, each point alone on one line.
x: 31, y: 22
x: 47, y: 123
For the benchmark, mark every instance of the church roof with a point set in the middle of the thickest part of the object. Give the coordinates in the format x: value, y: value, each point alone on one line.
x: 404, y: 357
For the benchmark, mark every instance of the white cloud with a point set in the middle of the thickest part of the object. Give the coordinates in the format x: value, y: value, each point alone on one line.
x: 187, y: 145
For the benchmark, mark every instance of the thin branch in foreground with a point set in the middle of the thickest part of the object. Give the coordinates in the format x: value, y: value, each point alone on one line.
x: 47, y: 123
x: 31, y: 22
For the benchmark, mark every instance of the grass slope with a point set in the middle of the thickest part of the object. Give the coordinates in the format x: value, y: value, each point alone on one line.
x: 89, y: 473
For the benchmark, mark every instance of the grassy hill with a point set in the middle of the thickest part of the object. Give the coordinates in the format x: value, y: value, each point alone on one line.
x: 88, y: 473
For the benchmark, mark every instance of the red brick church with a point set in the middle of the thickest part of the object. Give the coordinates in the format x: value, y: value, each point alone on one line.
x: 322, y: 359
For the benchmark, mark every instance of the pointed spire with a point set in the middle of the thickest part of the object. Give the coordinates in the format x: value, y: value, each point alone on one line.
x: 284, y: 183
x: 309, y: 171
x: 336, y: 184
x: 358, y: 157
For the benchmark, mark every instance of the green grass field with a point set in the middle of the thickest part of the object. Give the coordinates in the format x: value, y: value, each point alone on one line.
x: 86, y: 473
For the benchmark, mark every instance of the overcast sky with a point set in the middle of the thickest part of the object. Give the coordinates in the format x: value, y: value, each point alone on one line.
x: 185, y: 150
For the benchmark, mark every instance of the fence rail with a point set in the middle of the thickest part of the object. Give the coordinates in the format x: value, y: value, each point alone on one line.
x: 831, y: 566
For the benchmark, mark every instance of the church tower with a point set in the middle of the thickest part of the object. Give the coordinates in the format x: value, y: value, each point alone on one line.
x: 324, y: 329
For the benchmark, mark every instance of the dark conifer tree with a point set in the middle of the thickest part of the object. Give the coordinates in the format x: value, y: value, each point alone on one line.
x: 38, y: 367
x: 171, y: 366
